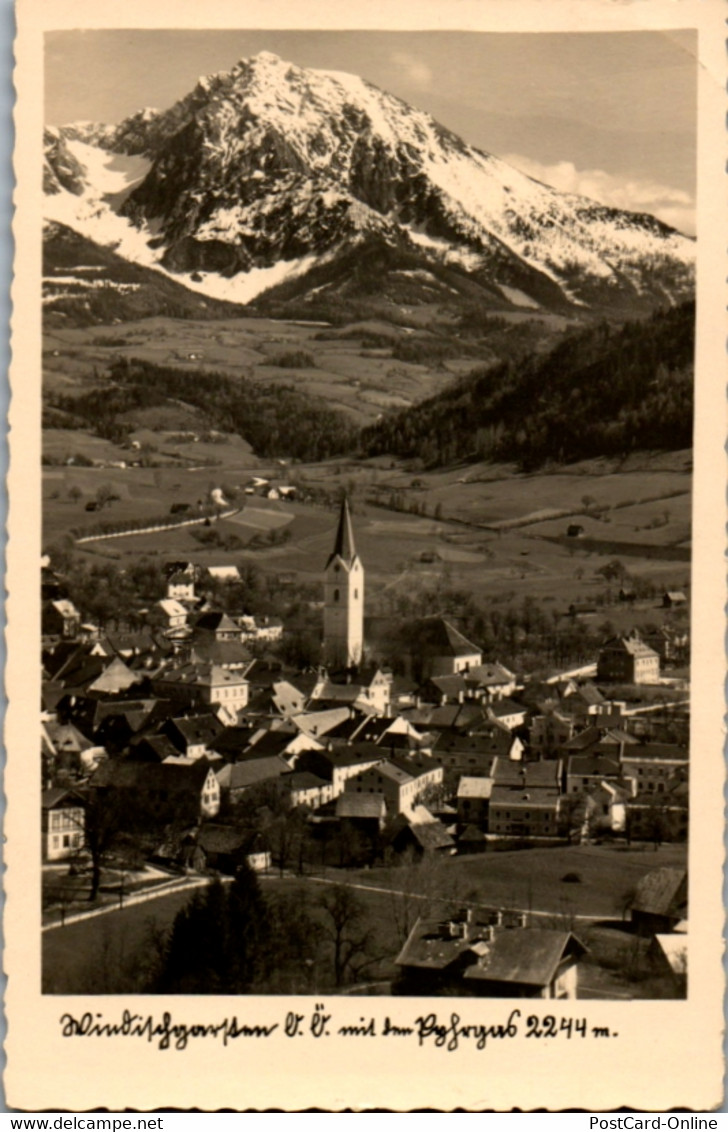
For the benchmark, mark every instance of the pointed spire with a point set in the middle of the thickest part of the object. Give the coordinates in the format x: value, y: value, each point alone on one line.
x: 344, y: 547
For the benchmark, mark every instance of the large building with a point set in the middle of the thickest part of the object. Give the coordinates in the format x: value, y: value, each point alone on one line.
x: 628, y: 660
x: 343, y: 599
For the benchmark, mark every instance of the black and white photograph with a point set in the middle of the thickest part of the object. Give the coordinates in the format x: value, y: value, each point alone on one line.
x: 366, y: 384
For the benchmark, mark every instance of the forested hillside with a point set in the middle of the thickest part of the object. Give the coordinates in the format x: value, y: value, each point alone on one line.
x: 602, y: 391
x: 276, y: 420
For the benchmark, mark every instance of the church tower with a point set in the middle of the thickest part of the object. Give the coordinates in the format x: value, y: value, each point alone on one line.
x: 343, y: 598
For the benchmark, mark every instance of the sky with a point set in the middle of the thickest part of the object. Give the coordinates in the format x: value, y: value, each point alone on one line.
x: 611, y: 115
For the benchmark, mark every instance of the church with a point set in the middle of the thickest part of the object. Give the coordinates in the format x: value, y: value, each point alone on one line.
x: 343, y: 599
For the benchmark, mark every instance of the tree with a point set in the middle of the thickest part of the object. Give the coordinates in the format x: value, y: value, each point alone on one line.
x: 345, y: 929
x: 219, y: 941
x: 75, y: 493
x: 103, y: 824
x: 105, y: 496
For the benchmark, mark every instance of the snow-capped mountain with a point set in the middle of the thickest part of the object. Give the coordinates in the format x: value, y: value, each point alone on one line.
x: 270, y: 170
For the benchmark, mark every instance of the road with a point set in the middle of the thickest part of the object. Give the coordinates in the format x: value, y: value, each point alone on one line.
x: 539, y: 912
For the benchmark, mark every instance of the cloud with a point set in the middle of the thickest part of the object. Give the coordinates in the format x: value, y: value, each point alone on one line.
x: 417, y: 72
x: 673, y: 206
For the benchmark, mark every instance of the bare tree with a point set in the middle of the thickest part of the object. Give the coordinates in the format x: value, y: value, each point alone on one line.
x: 345, y: 928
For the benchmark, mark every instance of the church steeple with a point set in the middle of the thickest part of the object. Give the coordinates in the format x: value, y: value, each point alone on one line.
x: 344, y: 546
x: 343, y: 598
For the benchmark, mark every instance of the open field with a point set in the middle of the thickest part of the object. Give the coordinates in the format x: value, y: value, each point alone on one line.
x: 531, y: 879
x: 401, y: 551
x: 97, y: 956
x: 361, y: 381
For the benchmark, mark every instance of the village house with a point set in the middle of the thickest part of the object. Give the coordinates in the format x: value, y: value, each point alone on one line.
x: 397, y: 785
x: 660, y: 902
x: 223, y: 849
x: 235, y: 779
x: 549, y: 732
x: 364, y: 813
x: 306, y: 789
x: 585, y: 771
x: 172, y: 613
x: 474, y: 800
x: 62, y: 823
x: 507, y: 712
x: 658, y: 817
x: 417, y: 834
x: 468, y: 957
x: 60, y: 618
x: 339, y: 762
x: 146, y: 794
x: 181, y: 586
x: 654, y: 767
x: 194, y: 735
x: 671, y: 599
x: 490, y: 681
x: 628, y: 660
x: 524, y: 801
x: 439, y: 649
x: 204, y: 685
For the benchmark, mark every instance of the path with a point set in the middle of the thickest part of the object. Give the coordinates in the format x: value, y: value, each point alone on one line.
x: 176, y: 885
x: 546, y: 914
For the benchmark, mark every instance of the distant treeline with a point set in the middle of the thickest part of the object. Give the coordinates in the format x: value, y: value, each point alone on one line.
x: 602, y: 391
x: 275, y: 419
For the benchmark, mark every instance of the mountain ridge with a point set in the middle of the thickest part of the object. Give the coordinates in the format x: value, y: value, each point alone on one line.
x: 262, y: 172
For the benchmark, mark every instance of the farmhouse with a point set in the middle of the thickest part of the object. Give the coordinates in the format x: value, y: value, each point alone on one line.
x: 467, y: 957
x: 661, y: 901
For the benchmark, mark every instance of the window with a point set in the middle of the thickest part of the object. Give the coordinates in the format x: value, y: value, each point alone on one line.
x: 336, y: 595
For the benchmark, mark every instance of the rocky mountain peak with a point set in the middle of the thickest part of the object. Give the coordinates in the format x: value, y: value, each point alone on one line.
x: 270, y: 163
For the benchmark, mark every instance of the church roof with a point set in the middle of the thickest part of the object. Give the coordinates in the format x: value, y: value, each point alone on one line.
x: 344, y: 546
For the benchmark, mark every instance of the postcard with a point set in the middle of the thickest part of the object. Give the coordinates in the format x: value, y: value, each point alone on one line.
x: 366, y: 529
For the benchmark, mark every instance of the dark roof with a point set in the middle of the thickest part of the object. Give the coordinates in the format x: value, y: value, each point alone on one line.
x: 471, y: 835
x: 344, y: 546
x: 531, y: 797
x: 655, y: 752
x: 360, y: 806
x: 520, y: 956
x: 303, y: 780
x: 414, y: 763
x: 528, y: 956
x: 437, y: 637
x: 493, y: 741
x: 193, y: 729
x: 128, y: 775
x: 216, y: 620
x: 662, y: 892
x: 237, y: 776
x: 510, y: 772
x: 273, y: 742
x: 588, y: 694
x: 57, y: 796
x: 502, y: 707
x: 227, y: 654
x: 431, y: 835
x: 154, y: 747
x: 221, y: 838
x: 451, y: 686
x: 594, y: 764
x: 233, y: 740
